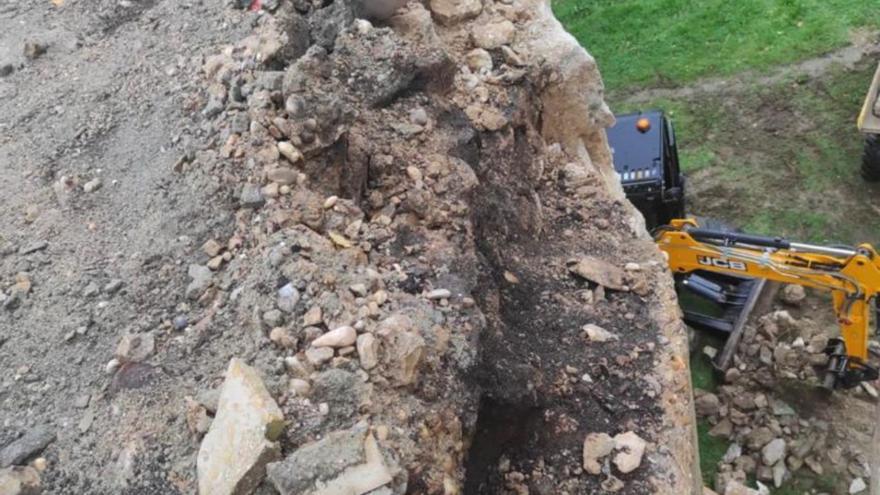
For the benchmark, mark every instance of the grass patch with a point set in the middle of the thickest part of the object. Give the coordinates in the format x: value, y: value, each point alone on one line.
x: 704, y: 377
x: 702, y: 373
x: 781, y: 159
x: 712, y: 449
x: 698, y: 158
x: 672, y: 42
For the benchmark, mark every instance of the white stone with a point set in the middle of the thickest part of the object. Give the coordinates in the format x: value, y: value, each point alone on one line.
x: 596, y: 446
x: 732, y: 453
x: 289, y: 151
x: 111, y: 366
x: 858, y: 485
x: 479, y: 60
x: 339, y: 337
x: 439, y: 294
x: 779, y: 473
x: 598, y: 334
x: 630, y: 449
x: 319, y: 355
x: 773, y: 451
x: 368, y: 351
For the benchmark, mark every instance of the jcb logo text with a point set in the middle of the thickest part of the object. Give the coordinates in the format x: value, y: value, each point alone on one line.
x: 722, y: 263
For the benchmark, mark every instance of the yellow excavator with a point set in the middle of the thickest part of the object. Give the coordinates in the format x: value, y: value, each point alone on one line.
x: 851, y: 274
x: 722, y: 266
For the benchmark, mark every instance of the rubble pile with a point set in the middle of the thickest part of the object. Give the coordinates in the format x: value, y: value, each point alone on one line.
x: 779, y: 422
x: 382, y: 165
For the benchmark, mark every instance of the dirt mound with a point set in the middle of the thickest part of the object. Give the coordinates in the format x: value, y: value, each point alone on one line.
x: 401, y: 217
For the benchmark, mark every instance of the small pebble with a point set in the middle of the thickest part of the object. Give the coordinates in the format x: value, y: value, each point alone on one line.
x: 418, y: 116
x: 439, y: 294
x: 111, y: 366
x: 92, y: 185
x: 180, y: 322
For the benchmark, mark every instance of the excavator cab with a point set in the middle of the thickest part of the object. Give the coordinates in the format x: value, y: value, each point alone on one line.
x: 646, y: 161
x: 645, y: 155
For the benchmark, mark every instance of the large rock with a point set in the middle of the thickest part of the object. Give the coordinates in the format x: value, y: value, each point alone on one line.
x: 201, y: 279
x: 241, y: 441
x: 858, y: 485
x: 773, y: 451
x: 596, y: 446
x: 19, y: 480
x: 631, y: 449
x: 494, y: 35
x: 707, y: 404
x: 404, y: 353
x: 368, y: 351
x: 793, y: 295
x: 598, y: 271
x: 29, y: 445
x: 454, y: 11
x: 344, y: 462
x: 386, y: 64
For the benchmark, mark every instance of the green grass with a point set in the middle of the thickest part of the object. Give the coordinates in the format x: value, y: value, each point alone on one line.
x: 712, y: 449
x: 672, y: 42
x: 781, y: 159
x: 704, y: 377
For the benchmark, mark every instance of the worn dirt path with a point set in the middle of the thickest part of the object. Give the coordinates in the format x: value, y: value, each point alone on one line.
x: 846, y: 57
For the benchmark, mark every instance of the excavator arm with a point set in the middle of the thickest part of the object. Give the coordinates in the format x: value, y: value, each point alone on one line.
x: 851, y: 275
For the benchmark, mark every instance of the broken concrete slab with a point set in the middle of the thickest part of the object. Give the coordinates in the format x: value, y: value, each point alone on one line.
x: 241, y: 440
x: 343, y: 462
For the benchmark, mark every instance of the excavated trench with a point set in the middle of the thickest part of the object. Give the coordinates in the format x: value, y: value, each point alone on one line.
x: 501, y: 427
x: 535, y: 407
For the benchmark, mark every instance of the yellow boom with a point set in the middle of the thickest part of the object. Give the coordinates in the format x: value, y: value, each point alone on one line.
x: 852, y: 275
